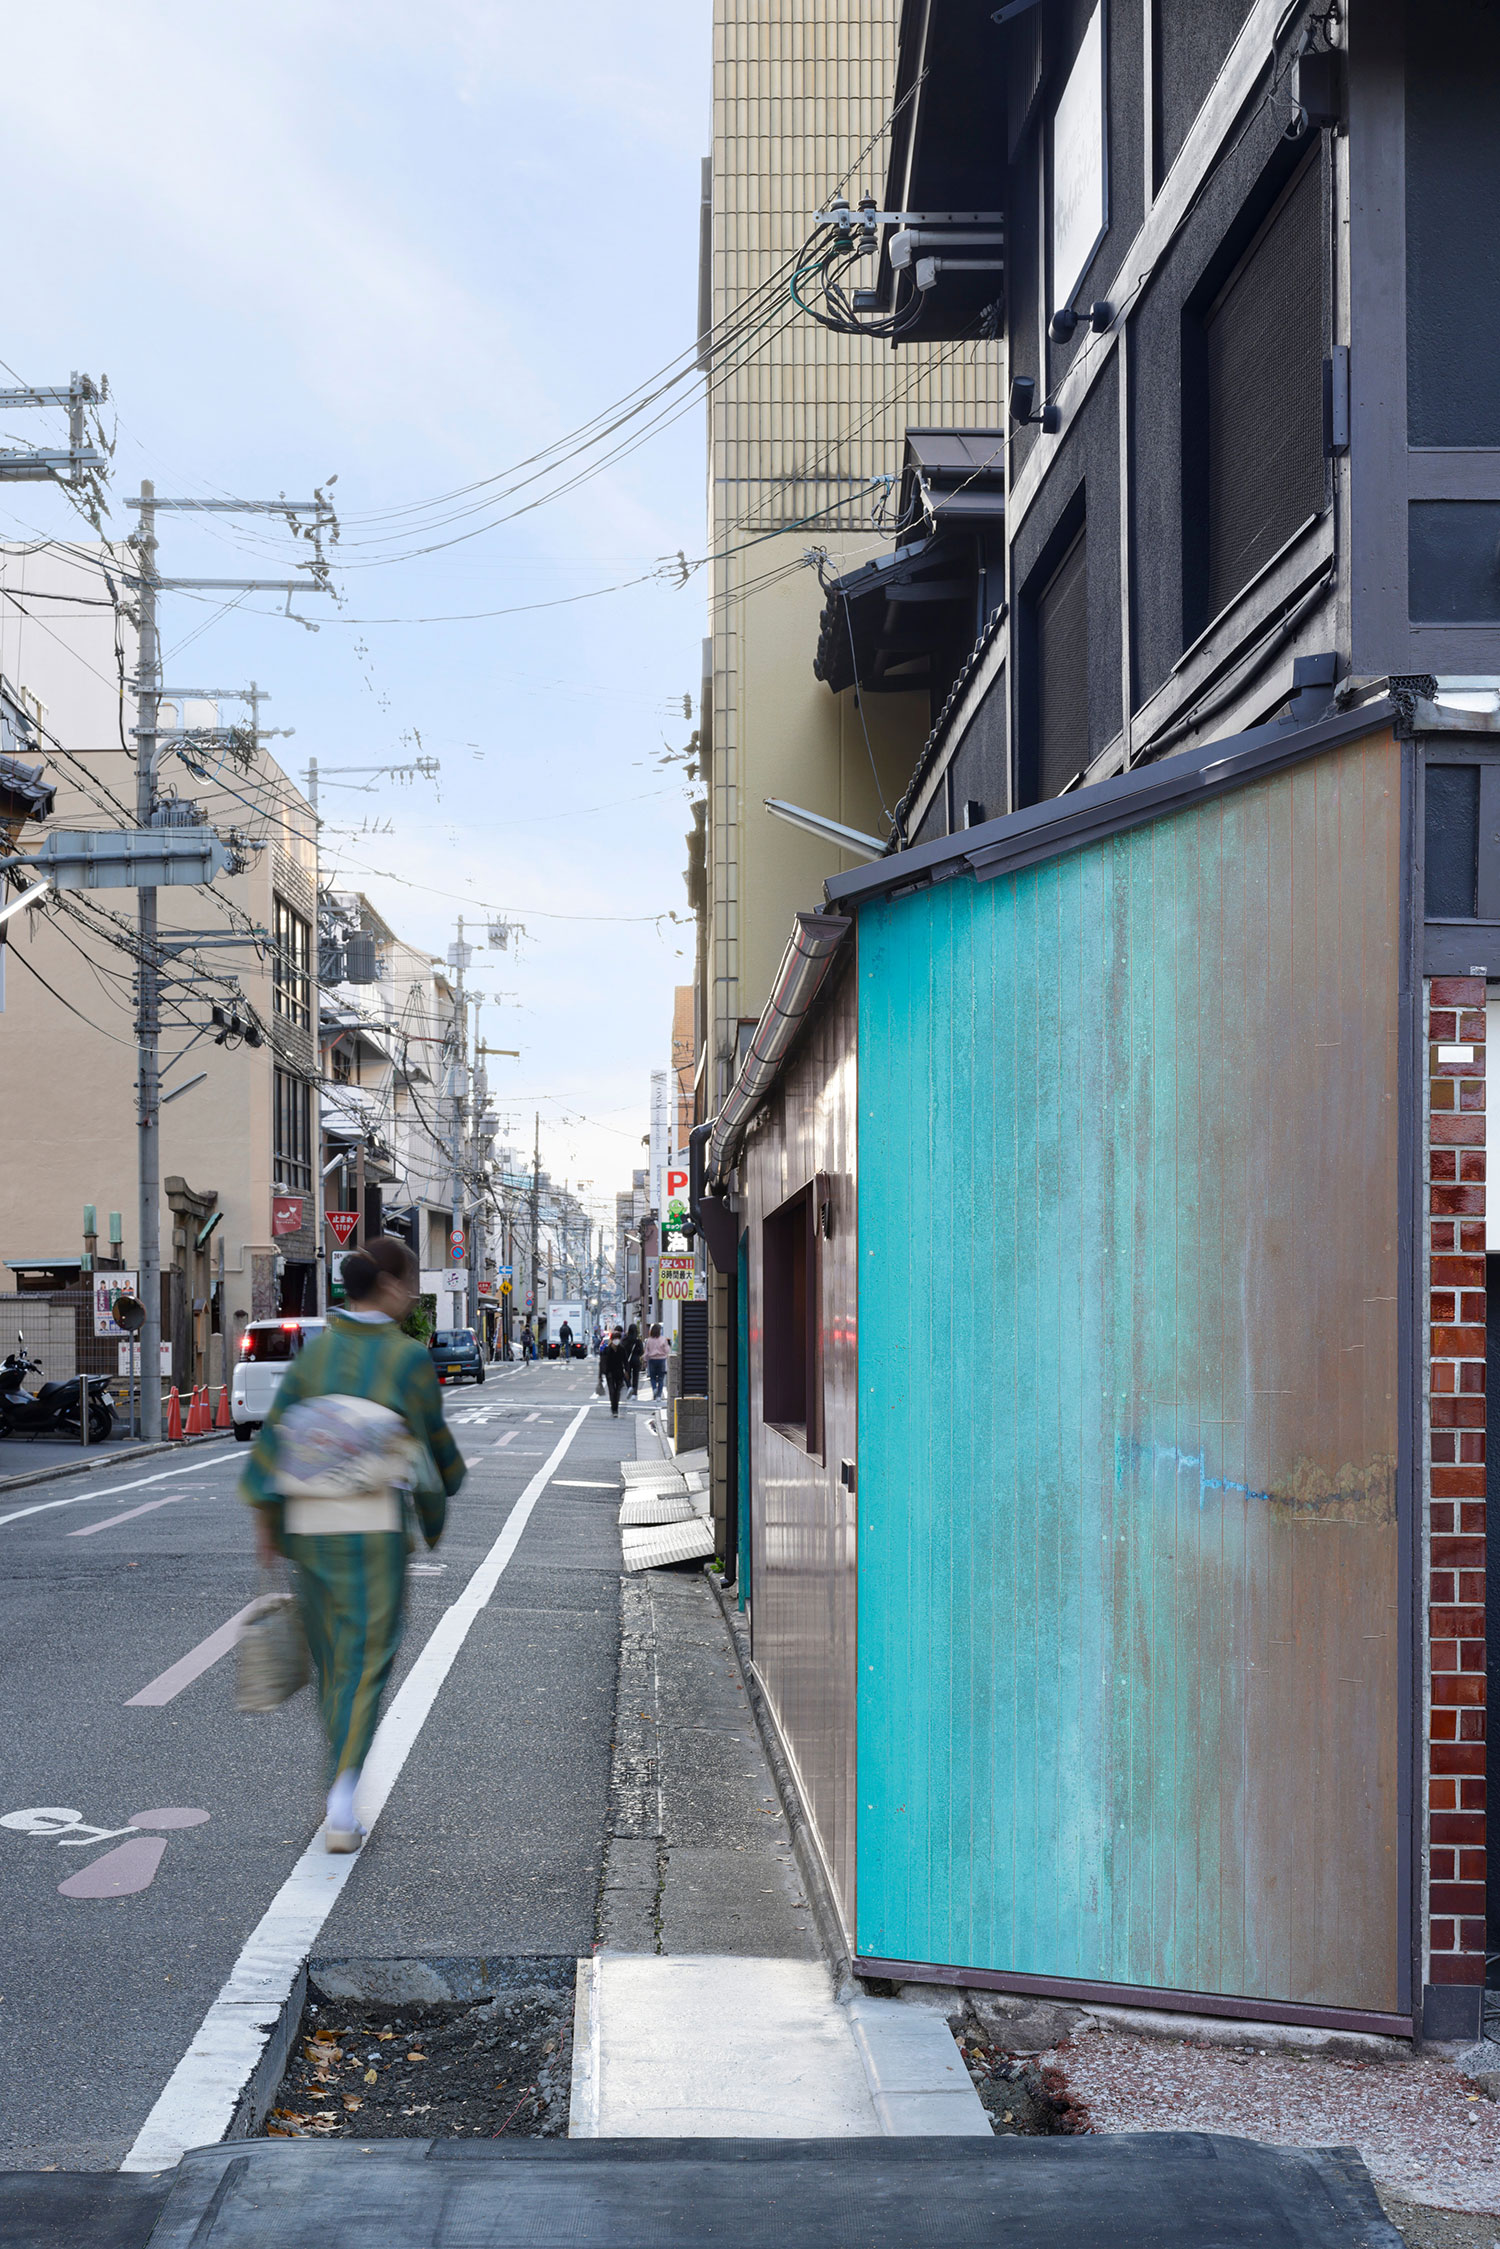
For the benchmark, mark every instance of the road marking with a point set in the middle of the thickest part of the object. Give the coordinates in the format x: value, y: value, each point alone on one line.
x: 147, y: 1506
x: 80, y: 1499
x: 578, y: 1484
x: 198, y: 2102
x: 508, y: 1439
x: 533, y: 1417
x: 191, y: 1666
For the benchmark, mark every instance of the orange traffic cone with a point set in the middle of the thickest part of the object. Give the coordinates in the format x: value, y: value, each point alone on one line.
x: 174, y: 1417
x: 222, y: 1418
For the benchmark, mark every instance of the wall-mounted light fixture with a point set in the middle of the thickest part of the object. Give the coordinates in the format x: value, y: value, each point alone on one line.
x: 1023, y: 406
x: 1099, y: 315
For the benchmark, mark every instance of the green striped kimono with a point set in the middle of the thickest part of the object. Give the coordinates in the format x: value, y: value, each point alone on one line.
x: 351, y: 1584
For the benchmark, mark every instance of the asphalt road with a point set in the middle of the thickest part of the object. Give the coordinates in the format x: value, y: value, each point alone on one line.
x: 490, y: 1845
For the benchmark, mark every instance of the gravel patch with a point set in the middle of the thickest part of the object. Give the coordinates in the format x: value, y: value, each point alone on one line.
x: 1428, y: 2134
x: 489, y: 2070
x: 1019, y: 2093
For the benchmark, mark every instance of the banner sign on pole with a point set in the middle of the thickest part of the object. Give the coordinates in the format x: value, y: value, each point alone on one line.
x: 107, y: 1286
x: 286, y: 1214
x: 125, y: 1355
x: 677, y: 1278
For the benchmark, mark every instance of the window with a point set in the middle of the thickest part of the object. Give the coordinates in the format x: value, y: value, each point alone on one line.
x: 1452, y: 852
x: 344, y: 1063
x: 1462, y: 841
x: 1062, y: 665
x: 1262, y: 344
x: 791, y: 1322
x: 293, y: 1148
x: 272, y: 1345
x: 292, y: 937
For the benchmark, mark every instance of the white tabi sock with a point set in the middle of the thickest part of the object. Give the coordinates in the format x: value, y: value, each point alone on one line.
x: 341, y: 1799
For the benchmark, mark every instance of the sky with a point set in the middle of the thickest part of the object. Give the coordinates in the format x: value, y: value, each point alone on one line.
x: 408, y: 247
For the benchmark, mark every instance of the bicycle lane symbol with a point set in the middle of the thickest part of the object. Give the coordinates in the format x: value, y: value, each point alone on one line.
x: 122, y: 1872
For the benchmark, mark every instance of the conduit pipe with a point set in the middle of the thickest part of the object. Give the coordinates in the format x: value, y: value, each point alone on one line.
x: 815, y: 940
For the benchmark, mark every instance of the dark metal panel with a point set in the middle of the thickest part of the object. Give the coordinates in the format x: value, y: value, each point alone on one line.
x: 1377, y: 464
x: 1412, y: 1358
x: 1139, y: 1995
x: 1453, y: 570
x: 1129, y: 1637
x: 1042, y: 831
x: 802, y: 1515
x: 1461, y: 948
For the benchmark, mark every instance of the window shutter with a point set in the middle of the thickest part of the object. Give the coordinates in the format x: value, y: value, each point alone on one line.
x: 1062, y: 618
x: 1264, y: 341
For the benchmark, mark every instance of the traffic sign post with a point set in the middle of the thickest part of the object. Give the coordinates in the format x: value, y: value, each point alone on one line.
x: 342, y: 1224
x: 456, y: 1245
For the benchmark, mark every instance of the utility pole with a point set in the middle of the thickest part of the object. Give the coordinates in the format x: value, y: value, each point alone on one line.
x: 536, y: 1209
x: 148, y: 989
x: 457, y: 1088
x: 479, y: 1084
x: 150, y: 584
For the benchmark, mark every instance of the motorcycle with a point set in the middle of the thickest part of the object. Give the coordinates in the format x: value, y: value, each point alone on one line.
x: 25, y: 1413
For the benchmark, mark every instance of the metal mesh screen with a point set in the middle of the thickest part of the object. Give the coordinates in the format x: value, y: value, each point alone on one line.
x: 1452, y: 854
x: 1062, y: 631
x: 1265, y: 394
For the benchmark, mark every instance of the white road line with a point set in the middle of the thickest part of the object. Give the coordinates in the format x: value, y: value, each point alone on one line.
x: 191, y: 1666
x: 508, y: 1439
x: 577, y: 1484
x: 197, y: 2104
x: 80, y: 1499
x: 147, y: 1507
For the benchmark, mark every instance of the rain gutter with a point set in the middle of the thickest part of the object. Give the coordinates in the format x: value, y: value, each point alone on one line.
x: 815, y: 940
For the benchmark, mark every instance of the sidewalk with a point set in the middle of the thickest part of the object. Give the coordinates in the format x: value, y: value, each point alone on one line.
x: 708, y: 2010
x: 42, y: 1460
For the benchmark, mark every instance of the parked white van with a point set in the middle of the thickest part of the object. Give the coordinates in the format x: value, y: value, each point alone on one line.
x: 267, y: 1349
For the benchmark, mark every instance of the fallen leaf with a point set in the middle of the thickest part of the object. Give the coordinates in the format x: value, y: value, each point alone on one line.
x: 382, y: 2035
x: 416, y: 2057
x: 370, y: 2076
x: 352, y: 2102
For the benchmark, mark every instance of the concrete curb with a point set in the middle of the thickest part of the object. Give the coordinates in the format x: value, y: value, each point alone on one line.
x: 583, y: 2091
x: 826, y: 1917
x: 91, y: 1458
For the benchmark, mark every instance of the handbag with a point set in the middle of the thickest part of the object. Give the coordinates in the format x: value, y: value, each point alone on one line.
x: 271, y: 1662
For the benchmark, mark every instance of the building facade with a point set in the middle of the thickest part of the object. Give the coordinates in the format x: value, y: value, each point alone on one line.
x: 1149, y: 1044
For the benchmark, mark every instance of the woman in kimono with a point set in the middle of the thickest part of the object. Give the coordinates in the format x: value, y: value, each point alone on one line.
x: 356, y: 1431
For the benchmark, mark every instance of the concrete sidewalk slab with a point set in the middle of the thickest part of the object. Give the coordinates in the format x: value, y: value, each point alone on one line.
x: 693, y: 2047
x: 917, y: 2077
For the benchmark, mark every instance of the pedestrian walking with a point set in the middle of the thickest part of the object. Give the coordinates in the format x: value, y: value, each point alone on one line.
x: 634, y: 1353
x: 612, y: 1362
x: 565, y: 1338
x: 601, y: 1345
x: 658, y: 1350
x: 354, y: 1441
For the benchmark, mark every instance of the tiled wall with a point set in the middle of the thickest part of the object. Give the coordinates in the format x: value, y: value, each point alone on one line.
x: 1456, y: 1310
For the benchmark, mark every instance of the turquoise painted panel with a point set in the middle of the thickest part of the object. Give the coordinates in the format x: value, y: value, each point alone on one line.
x: 1128, y: 1638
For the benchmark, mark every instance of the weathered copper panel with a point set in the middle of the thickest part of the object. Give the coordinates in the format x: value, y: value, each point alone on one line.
x: 802, y: 1518
x: 1128, y: 1548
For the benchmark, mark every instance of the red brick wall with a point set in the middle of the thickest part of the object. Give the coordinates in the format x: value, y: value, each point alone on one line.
x: 1455, y: 1731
